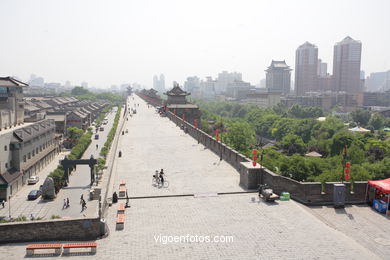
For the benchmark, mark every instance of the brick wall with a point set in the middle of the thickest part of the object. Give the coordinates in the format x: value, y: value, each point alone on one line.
x: 52, y: 230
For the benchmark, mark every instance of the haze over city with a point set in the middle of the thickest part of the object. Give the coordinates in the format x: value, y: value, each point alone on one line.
x: 112, y: 42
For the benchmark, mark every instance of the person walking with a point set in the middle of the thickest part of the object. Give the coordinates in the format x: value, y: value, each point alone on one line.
x: 67, y: 203
x: 83, y: 205
x: 81, y: 198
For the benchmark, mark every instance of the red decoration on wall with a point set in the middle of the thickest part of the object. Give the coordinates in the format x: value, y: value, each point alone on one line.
x: 196, y: 123
x: 254, y: 157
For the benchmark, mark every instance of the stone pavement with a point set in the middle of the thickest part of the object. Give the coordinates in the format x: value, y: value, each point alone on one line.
x: 155, y: 143
x: 361, y: 223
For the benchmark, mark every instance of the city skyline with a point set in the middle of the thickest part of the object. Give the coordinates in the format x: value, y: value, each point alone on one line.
x: 103, y: 43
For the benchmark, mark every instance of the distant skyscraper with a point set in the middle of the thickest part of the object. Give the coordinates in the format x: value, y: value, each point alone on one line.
x: 346, y: 65
x: 224, y: 79
x: 192, y: 84
x: 159, y: 84
x: 278, y: 77
x: 162, y: 83
x: 306, y: 62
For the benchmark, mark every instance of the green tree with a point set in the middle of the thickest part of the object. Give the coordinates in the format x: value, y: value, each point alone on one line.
x: 292, y: 144
x: 340, y: 140
x: 361, y: 116
x: 377, y: 121
x: 240, y: 136
x: 78, y: 91
x: 295, y: 168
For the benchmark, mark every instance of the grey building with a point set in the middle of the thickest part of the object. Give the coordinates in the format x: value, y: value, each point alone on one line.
x: 278, y: 77
x: 306, y: 65
x: 346, y: 66
x: 11, y: 102
x: 23, y: 152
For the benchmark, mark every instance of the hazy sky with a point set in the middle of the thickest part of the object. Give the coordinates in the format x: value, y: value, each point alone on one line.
x: 112, y: 42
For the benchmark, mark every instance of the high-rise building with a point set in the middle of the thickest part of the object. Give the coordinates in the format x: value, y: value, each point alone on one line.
x: 162, y: 83
x: 159, y: 84
x: 346, y: 65
x: 306, y: 63
x: 224, y: 79
x: 322, y: 68
x: 192, y: 84
x: 278, y: 77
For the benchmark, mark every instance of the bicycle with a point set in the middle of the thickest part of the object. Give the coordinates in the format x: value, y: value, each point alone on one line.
x: 156, y: 181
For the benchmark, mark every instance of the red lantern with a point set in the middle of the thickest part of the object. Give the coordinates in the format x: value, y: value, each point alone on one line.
x: 217, y: 134
x: 347, y: 165
x: 196, y: 123
x: 254, y: 157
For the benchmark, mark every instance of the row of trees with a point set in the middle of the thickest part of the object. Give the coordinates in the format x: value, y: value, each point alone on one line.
x: 295, y: 131
x: 84, y: 94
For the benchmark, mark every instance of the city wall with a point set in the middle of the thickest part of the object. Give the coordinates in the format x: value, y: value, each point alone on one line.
x: 309, y: 193
x: 52, y: 230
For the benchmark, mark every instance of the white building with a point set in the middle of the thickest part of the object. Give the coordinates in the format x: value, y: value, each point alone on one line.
x: 223, y: 80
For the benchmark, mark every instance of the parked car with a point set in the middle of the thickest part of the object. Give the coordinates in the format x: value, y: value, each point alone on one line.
x: 101, y: 128
x: 96, y: 136
x: 33, y: 180
x: 34, y: 194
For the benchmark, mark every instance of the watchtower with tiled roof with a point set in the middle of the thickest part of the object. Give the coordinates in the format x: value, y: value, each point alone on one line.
x: 176, y: 95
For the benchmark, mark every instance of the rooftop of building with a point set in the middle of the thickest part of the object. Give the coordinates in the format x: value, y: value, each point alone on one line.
x: 307, y: 45
x: 11, y: 82
x: 176, y: 91
x: 278, y: 64
x: 30, y: 131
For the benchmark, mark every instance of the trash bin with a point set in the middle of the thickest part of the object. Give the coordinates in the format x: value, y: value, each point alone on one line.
x: 338, y: 195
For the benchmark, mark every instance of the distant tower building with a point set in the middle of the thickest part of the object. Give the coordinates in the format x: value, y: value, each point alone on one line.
x: 224, y: 79
x: 278, y: 77
x: 155, y: 82
x: 162, y: 83
x: 306, y: 62
x: 192, y: 84
x: 159, y: 84
x: 346, y: 65
x: 322, y: 69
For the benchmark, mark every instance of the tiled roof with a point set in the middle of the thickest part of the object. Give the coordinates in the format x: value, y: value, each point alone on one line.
x: 11, y: 82
x: 9, y: 176
x: 33, y: 130
x: 177, y: 91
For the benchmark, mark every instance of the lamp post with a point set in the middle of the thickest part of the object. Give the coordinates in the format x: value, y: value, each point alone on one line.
x: 9, y: 206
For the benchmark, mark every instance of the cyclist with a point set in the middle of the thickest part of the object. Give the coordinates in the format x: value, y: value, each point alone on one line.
x: 156, y: 176
x: 162, y: 177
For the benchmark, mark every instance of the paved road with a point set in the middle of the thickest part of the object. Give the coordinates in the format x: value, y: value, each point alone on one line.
x: 79, y: 184
x: 284, y: 230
